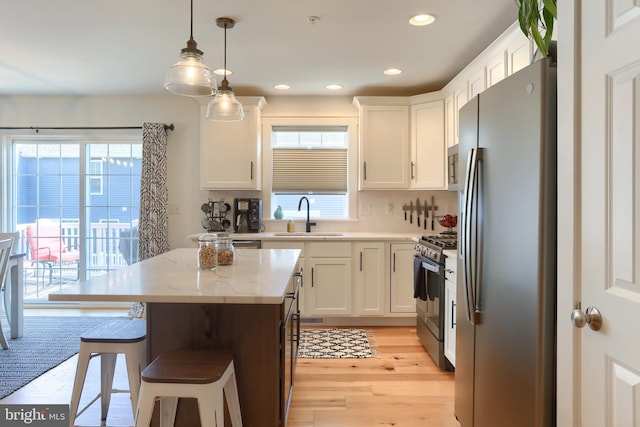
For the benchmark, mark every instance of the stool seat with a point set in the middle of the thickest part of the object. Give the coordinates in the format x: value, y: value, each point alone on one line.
x: 204, y: 374
x: 119, y: 330
x: 107, y: 340
x: 198, y: 366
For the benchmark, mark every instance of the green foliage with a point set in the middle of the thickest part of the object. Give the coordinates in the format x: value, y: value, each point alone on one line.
x: 536, y: 18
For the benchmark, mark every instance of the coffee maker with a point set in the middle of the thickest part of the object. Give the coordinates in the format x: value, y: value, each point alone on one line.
x: 247, y: 215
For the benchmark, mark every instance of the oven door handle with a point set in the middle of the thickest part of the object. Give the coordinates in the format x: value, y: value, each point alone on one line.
x: 431, y: 267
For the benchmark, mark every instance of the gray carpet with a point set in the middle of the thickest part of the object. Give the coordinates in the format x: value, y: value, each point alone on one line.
x: 46, y: 342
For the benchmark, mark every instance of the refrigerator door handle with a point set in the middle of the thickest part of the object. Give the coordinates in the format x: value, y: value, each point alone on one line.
x: 476, y: 290
x: 464, y: 241
x: 471, y: 244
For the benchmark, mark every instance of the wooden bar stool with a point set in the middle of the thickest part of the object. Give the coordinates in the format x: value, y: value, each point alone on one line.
x: 107, y: 340
x: 199, y: 373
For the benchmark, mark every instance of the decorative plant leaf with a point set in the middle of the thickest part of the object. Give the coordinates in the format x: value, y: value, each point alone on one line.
x: 531, y: 22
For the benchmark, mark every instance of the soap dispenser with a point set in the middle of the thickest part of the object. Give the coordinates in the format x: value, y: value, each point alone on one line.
x: 290, y: 226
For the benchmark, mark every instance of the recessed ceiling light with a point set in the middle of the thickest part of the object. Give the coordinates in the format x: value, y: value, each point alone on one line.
x: 334, y: 87
x: 392, y: 71
x: 282, y: 87
x: 422, y: 19
x: 220, y: 72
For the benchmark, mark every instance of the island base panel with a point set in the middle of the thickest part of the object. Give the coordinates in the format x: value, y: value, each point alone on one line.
x: 251, y: 331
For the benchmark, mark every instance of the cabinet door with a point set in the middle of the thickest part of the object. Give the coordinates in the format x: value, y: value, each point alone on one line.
x: 230, y: 152
x: 384, y: 147
x: 266, y: 244
x: 401, y: 285
x: 519, y: 54
x: 428, y: 154
x: 460, y: 97
x: 450, y: 121
x: 450, y: 322
x: 496, y: 69
x: 368, y: 263
x: 328, y: 286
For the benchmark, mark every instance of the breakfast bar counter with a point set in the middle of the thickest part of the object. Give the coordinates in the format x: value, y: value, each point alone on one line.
x: 243, y: 307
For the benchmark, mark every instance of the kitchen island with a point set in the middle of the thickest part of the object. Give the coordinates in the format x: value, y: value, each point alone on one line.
x: 248, y: 307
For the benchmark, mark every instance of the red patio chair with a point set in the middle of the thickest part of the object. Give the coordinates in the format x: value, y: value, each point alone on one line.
x: 47, y: 246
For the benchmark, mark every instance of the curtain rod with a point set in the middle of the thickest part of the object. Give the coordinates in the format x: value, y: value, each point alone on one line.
x: 37, y: 128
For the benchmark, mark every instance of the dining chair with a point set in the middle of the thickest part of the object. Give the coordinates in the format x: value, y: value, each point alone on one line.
x: 5, y: 251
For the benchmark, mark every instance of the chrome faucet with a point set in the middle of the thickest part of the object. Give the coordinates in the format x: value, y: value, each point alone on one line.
x: 309, y: 224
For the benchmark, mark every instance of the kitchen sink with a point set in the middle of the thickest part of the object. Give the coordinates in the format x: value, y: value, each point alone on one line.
x: 312, y: 234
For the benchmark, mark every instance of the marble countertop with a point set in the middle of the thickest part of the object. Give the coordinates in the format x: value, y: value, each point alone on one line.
x: 323, y: 235
x: 256, y: 277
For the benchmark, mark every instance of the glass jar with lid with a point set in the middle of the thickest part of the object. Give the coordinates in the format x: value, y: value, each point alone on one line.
x: 207, y: 251
x: 226, y: 252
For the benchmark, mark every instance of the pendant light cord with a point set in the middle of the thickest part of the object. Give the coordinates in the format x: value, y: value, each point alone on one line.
x: 225, y: 50
x: 191, y: 29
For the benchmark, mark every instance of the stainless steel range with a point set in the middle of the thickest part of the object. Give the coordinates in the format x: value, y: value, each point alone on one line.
x: 429, y: 293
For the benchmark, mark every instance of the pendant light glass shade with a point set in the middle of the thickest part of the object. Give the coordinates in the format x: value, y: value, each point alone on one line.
x: 224, y: 107
x: 190, y: 76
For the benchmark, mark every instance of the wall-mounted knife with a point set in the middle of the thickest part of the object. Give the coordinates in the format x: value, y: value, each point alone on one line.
x: 411, y: 212
x: 433, y: 211
x: 418, y: 211
x: 426, y: 209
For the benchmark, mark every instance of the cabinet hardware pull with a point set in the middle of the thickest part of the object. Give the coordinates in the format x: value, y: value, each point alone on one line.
x: 312, y: 277
x: 394, y: 262
x: 360, y: 260
x: 251, y: 170
x: 412, y: 174
x: 365, y: 171
x: 453, y: 315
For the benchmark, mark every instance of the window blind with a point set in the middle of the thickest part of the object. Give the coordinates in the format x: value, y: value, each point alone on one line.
x: 300, y: 170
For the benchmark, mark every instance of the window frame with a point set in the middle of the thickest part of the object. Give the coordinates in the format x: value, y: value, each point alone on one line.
x: 352, y: 149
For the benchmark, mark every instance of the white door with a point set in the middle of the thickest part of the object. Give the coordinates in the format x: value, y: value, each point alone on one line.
x: 610, y: 212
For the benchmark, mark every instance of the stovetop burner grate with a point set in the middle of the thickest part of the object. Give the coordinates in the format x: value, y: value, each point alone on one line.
x: 445, y: 241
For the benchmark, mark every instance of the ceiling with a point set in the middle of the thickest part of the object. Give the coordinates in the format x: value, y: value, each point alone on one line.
x: 124, y: 47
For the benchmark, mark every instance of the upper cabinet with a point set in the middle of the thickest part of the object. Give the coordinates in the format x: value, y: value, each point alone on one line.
x: 383, y: 143
x: 230, y: 152
x: 428, y: 146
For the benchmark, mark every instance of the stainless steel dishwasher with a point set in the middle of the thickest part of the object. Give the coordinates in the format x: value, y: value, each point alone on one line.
x: 244, y: 243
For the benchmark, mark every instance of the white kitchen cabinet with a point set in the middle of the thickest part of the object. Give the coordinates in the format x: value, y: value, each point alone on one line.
x: 288, y: 244
x: 428, y: 146
x: 519, y: 54
x: 477, y: 82
x: 450, y: 121
x: 450, y: 310
x: 460, y: 98
x: 383, y: 146
x: 496, y: 68
x: 230, y: 152
x: 401, y: 283
x: 369, y: 278
x: 328, y: 279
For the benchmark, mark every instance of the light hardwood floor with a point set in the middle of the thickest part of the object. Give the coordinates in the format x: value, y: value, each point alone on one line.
x: 400, y: 387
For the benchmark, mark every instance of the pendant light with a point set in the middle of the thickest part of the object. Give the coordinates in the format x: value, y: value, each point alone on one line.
x: 225, y: 107
x: 190, y: 76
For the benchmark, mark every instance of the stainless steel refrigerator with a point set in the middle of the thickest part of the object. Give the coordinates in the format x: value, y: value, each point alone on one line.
x: 505, y: 322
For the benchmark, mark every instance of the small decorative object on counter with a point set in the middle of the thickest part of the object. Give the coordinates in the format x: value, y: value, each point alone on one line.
x: 278, y: 213
x: 290, y: 227
x: 226, y: 251
x: 207, y: 252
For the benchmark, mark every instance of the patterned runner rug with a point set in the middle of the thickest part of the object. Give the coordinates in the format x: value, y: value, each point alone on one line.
x: 335, y: 344
x: 46, y: 342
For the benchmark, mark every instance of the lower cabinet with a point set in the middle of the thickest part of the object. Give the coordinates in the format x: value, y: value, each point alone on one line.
x: 369, y: 278
x: 328, y: 279
x: 450, y: 310
x: 401, y: 288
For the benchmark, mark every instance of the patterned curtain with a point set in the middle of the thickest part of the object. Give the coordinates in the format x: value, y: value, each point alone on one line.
x: 153, y: 233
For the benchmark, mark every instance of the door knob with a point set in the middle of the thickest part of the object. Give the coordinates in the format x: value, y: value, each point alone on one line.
x: 591, y: 317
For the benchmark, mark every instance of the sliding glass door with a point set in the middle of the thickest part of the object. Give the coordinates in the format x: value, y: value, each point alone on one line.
x: 76, y: 206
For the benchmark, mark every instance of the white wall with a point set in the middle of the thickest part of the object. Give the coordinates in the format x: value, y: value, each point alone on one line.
x: 183, y: 152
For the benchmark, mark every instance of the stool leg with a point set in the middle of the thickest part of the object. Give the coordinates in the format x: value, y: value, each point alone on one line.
x: 78, y: 384
x: 107, y: 371
x: 211, y: 417
x: 168, y: 409
x: 233, y: 403
x: 144, y: 409
x: 135, y: 364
